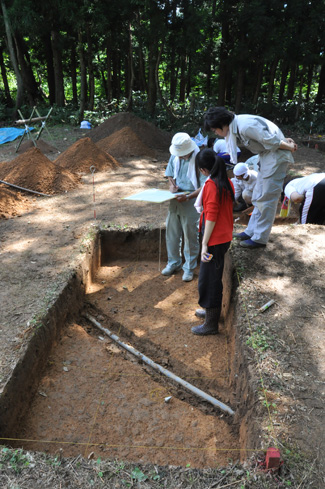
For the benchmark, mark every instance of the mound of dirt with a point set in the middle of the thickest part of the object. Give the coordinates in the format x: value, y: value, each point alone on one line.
x: 12, y: 203
x: 125, y: 143
x: 42, y: 145
x: 83, y: 154
x: 149, y: 134
x: 34, y: 171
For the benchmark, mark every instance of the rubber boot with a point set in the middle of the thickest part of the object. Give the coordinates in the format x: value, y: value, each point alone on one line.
x: 210, y: 325
x: 200, y: 313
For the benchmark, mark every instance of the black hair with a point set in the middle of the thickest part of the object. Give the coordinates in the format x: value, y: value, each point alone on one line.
x: 217, y: 118
x: 211, y: 142
x: 209, y: 160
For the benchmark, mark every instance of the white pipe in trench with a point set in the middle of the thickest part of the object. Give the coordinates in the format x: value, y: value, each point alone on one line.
x: 161, y: 369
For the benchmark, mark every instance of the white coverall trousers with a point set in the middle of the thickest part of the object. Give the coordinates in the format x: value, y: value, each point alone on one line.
x: 266, y: 194
x: 182, y: 220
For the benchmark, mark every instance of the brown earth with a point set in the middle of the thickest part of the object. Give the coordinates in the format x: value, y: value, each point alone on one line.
x: 83, y: 154
x: 147, y: 133
x: 284, y: 346
x: 125, y: 143
x: 34, y: 171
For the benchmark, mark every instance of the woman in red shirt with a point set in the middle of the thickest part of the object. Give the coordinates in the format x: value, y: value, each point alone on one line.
x: 215, y: 203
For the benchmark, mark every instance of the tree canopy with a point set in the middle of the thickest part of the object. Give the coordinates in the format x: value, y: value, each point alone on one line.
x: 240, y: 54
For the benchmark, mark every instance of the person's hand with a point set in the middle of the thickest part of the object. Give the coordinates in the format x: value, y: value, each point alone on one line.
x: 205, y: 255
x: 181, y: 198
x: 293, y: 145
x: 172, y: 186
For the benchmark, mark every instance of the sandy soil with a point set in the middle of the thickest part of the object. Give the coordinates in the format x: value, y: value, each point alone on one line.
x: 285, y: 345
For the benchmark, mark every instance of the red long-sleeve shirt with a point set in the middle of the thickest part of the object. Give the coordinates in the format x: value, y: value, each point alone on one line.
x: 220, y: 213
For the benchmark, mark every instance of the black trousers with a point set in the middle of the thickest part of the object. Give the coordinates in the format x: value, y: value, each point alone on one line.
x: 316, y: 211
x: 210, y: 277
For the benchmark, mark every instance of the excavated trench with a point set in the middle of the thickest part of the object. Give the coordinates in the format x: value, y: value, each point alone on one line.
x: 78, y: 392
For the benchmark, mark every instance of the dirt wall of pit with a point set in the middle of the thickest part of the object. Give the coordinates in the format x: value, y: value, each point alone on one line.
x: 23, y: 382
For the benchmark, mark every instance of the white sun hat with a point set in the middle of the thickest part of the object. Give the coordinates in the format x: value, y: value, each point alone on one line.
x: 182, y: 144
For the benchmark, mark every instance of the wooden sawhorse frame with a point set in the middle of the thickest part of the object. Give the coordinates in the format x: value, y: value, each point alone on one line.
x: 31, y: 120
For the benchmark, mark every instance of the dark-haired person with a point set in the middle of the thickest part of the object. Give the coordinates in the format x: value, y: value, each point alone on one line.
x: 215, y: 203
x: 309, y: 191
x: 264, y: 138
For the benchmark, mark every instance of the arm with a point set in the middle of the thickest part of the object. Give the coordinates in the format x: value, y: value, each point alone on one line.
x: 209, y: 226
x: 288, y: 144
x: 297, y: 198
x: 192, y: 195
x: 172, y: 185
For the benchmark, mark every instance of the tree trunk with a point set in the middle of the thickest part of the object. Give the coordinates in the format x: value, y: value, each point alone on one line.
x: 73, y: 71
x: 270, y: 88
x: 46, y: 40
x: 142, y: 72
x: 31, y: 87
x: 58, y: 70
x: 182, y: 84
x: 309, y: 81
x: 13, y: 59
x: 152, y: 86
x: 301, y: 83
x: 292, y: 81
x: 210, y: 45
x: 223, y: 56
x: 131, y: 71
x: 91, y: 80
x: 321, y: 86
x: 284, y: 76
x: 109, y: 69
x: 259, y: 77
x: 8, y: 99
x: 83, y: 78
x: 239, y: 87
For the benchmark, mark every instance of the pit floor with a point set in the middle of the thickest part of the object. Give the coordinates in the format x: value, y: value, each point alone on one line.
x: 96, y: 399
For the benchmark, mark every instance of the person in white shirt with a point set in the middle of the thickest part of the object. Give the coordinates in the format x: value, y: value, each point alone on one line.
x: 264, y: 138
x: 310, y: 193
x: 244, y: 182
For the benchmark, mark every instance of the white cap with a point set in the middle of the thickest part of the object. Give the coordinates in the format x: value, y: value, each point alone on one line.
x: 182, y: 144
x: 240, y: 169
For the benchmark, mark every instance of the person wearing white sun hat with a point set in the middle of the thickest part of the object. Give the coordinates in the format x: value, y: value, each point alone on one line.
x: 182, y: 219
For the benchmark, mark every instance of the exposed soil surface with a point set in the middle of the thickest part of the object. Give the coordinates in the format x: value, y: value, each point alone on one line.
x: 285, y: 345
x: 96, y: 396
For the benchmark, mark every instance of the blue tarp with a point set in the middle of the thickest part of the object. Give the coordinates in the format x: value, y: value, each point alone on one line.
x: 11, y: 133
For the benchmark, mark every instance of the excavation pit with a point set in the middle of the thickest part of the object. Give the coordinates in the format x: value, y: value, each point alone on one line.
x: 96, y: 399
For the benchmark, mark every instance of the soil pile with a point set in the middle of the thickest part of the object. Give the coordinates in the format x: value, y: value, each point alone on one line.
x: 124, y: 143
x: 34, y: 171
x: 42, y: 145
x: 83, y: 154
x: 12, y: 203
x: 149, y: 134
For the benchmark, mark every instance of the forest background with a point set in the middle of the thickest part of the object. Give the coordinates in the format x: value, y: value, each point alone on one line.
x: 166, y: 60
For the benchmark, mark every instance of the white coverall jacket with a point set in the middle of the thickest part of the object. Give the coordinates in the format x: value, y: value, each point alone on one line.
x: 245, y: 188
x: 263, y: 137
